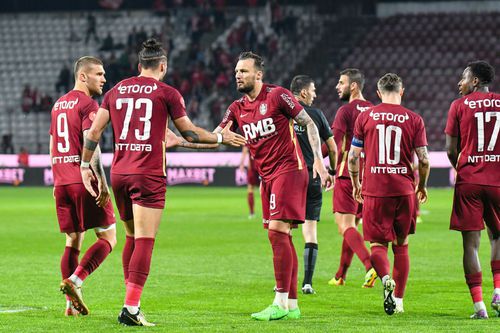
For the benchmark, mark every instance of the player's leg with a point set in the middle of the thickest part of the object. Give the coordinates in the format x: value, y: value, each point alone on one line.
x: 492, y: 220
x: 251, y: 201
x: 495, y: 269
x: 278, y: 234
x: 128, y: 247
x: 146, y: 224
x: 309, y: 231
x: 283, y: 200
x: 404, y: 224
x: 69, y: 262
x: 472, y: 270
x: 68, y: 224
x: 400, y: 270
x: 467, y: 217
x: 314, y: 201
x: 95, y: 255
x: 346, y: 255
x: 293, y: 306
x: 378, y: 219
x: 355, y: 241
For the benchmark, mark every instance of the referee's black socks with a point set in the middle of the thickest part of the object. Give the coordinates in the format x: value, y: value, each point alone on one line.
x: 310, y: 255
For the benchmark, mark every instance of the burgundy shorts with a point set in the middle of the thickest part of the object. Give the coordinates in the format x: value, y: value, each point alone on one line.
x: 473, y: 204
x: 343, y: 201
x: 143, y: 190
x: 385, y: 218
x: 284, y: 198
x: 77, y: 210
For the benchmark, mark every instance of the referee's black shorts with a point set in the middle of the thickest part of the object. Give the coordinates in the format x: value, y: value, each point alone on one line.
x: 314, y: 198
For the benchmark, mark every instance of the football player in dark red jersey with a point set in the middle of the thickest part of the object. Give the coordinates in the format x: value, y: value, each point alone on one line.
x: 390, y: 135
x: 474, y: 151
x: 139, y: 109
x: 265, y: 116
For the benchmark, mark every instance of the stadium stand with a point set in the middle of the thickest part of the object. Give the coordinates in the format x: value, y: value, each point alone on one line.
x: 427, y: 50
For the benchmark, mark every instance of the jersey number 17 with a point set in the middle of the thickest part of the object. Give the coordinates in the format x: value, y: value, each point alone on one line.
x: 483, y: 118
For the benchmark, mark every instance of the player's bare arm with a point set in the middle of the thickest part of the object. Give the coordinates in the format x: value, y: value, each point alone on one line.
x: 173, y: 140
x: 90, y: 143
x: 303, y: 119
x: 332, y: 152
x: 452, y: 149
x: 96, y: 165
x: 354, y: 156
x: 423, y: 173
x: 196, y: 134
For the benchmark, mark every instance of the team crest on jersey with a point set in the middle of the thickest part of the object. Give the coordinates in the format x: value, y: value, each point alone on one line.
x: 263, y: 108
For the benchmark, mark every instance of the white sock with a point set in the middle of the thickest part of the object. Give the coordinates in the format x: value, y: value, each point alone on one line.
x: 496, y: 291
x: 76, y: 280
x: 293, y: 304
x: 132, y: 309
x: 399, y: 301
x: 479, y: 306
x: 68, y: 304
x: 281, y: 299
x: 385, y: 278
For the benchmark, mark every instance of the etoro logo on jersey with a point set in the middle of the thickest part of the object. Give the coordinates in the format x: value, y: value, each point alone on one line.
x: 135, y: 88
x: 256, y: 131
x: 65, y: 105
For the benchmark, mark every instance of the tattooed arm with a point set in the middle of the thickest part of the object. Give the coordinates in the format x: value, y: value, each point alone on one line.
x: 354, y: 156
x: 195, y: 134
x: 96, y: 165
x: 423, y: 173
x: 303, y: 119
x: 172, y: 140
x: 90, y: 145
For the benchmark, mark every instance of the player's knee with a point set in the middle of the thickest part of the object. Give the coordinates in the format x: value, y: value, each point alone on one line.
x: 74, y: 240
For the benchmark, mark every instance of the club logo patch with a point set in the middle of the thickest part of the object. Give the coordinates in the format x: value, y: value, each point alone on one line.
x: 263, y: 109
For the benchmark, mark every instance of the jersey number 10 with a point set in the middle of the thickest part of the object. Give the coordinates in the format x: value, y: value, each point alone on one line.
x: 481, y: 119
x: 385, y: 144
x: 134, y: 106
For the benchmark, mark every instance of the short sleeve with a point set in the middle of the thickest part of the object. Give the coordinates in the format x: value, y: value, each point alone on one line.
x: 88, y: 114
x: 340, y: 121
x: 359, y: 136
x: 229, y: 116
x: 420, y: 139
x: 287, y: 102
x: 176, y: 105
x: 452, y: 122
x: 105, y: 101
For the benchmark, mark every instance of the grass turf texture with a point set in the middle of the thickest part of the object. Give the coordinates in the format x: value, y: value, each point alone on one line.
x: 212, y: 268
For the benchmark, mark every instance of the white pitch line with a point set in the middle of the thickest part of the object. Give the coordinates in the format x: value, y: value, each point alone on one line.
x: 20, y: 309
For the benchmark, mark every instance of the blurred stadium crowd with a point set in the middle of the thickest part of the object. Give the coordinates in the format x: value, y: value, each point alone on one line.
x: 204, y: 37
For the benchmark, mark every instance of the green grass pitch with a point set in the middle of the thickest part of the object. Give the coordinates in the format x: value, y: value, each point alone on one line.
x: 212, y: 267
